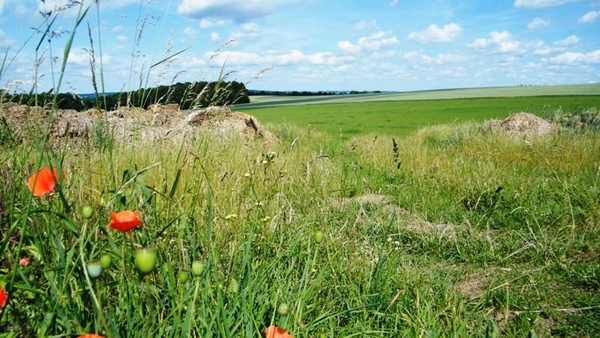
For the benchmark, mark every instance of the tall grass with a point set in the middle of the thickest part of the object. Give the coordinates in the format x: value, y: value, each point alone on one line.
x: 450, y: 231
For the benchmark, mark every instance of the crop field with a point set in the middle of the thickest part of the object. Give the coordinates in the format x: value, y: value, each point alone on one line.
x: 492, y: 92
x: 402, y: 117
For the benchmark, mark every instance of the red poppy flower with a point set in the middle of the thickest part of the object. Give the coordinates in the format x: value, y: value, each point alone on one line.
x: 90, y: 335
x: 43, y: 181
x: 124, y: 220
x: 276, y: 332
x: 3, y: 297
x: 24, y: 261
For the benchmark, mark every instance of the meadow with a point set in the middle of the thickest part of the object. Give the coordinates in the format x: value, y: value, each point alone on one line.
x: 448, y: 230
x: 347, y: 118
x: 402, y: 218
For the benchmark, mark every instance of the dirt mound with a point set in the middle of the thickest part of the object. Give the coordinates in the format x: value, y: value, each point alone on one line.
x: 157, y: 123
x: 523, y: 124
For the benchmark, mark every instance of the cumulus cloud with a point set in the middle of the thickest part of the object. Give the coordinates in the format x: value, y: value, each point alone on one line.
x: 590, y: 17
x: 537, y: 23
x: 540, y: 3
x: 208, y: 23
x: 372, y: 42
x: 571, y: 58
x: 502, y: 41
x: 419, y: 58
x: 349, y: 47
x: 571, y: 40
x: 438, y: 35
x: 291, y: 57
x: 83, y: 59
x: 365, y: 24
x: 235, y: 10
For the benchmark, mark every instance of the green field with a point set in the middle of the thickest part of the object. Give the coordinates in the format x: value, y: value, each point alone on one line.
x: 402, y: 117
x: 490, y: 92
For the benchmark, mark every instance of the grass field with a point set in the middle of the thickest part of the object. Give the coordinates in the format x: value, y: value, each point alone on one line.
x: 402, y: 117
x: 493, y: 92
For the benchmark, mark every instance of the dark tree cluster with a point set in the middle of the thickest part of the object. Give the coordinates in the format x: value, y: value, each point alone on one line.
x: 189, y: 95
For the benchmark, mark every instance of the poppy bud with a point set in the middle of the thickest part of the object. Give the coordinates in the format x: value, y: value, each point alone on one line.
x: 87, y: 212
x: 145, y: 260
x: 105, y: 261
x: 94, y: 269
x: 197, y: 268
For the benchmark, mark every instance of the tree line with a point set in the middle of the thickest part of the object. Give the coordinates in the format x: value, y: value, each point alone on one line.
x: 188, y: 95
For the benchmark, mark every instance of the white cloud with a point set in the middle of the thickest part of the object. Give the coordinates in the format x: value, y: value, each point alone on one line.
x: 590, y: 17
x: 79, y: 58
x: 540, y: 3
x: 208, y: 23
x: 510, y: 47
x: 393, y: 3
x: 571, y: 40
x: 365, y: 24
x: 214, y: 36
x: 83, y: 59
x: 499, y: 37
x: 418, y: 57
x: 291, y: 57
x: 570, y: 58
x: 372, y: 42
x: 435, y: 34
x: 479, y: 43
x: 235, y: 10
x: 349, y: 47
x: 2, y: 4
x: 501, y: 40
x: 377, y: 40
x: 189, y: 32
x: 251, y: 27
x: 537, y: 23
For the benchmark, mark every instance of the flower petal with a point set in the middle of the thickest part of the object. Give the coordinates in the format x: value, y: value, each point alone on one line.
x: 276, y: 332
x: 3, y: 297
x: 43, y: 181
x: 125, y: 220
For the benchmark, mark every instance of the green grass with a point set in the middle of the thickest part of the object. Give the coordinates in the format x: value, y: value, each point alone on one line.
x: 426, y: 223
x: 400, y: 118
x: 417, y: 240
x: 442, y: 94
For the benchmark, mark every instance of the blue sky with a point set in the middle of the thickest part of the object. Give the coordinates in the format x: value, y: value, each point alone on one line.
x: 310, y: 45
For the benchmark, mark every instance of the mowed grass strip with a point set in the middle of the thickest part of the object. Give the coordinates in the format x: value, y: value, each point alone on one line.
x: 400, y: 118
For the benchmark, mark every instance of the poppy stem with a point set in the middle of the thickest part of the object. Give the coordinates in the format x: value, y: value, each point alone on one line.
x: 88, y: 281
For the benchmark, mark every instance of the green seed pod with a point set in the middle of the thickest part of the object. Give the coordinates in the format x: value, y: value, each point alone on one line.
x: 87, y: 212
x: 197, y: 268
x: 184, y: 275
x: 283, y: 309
x: 318, y: 236
x: 94, y: 269
x: 145, y: 260
x: 105, y: 261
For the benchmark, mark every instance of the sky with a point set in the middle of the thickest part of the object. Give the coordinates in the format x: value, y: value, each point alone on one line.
x: 303, y: 45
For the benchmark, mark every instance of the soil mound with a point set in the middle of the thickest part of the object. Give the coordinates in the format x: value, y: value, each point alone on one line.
x: 157, y: 123
x: 524, y: 124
